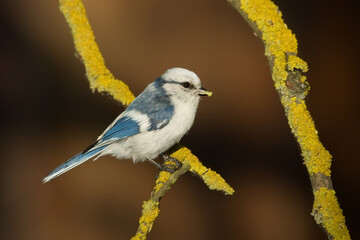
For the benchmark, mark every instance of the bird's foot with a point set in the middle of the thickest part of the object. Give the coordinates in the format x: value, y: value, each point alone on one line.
x: 170, y: 164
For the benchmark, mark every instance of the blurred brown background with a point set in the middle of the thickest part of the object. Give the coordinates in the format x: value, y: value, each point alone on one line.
x: 49, y: 114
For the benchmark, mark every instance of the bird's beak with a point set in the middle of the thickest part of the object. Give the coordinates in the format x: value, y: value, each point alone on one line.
x: 204, y: 92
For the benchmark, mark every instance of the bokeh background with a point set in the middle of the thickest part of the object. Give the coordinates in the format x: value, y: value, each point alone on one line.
x: 49, y: 114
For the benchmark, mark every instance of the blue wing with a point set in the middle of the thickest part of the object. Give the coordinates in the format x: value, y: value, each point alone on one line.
x: 73, y: 162
x: 154, y: 102
x: 121, y: 128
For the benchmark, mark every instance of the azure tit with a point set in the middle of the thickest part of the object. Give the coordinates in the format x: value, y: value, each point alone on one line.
x: 156, y: 120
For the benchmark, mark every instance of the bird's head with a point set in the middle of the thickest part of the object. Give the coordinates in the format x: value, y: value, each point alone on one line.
x: 183, y: 84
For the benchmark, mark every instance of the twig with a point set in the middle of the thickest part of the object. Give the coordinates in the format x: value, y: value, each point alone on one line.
x: 98, y: 74
x: 151, y: 207
x: 165, y: 179
x: 287, y: 70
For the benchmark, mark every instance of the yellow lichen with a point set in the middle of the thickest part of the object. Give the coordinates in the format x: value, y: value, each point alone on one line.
x: 279, y: 41
x: 99, y: 76
x: 327, y: 212
x: 294, y: 62
x: 213, y: 180
x: 149, y: 213
x: 276, y: 36
x: 279, y: 74
x: 162, y: 178
x: 303, y: 79
x: 216, y: 182
x: 316, y: 157
x: 281, y: 50
x: 181, y: 153
x: 281, y: 47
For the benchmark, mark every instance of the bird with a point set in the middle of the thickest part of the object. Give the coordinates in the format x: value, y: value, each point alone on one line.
x: 155, y: 121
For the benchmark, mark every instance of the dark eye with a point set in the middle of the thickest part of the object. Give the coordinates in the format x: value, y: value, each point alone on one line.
x: 185, y: 84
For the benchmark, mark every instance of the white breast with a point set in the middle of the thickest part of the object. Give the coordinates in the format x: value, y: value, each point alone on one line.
x: 148, y: 145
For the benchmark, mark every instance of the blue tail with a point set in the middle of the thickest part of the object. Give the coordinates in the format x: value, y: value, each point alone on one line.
x: 73, y: 162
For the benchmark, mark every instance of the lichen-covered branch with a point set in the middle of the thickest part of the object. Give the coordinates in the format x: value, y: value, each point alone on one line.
x: 101, y: 79
x: 288, y: 74
x: 188, y: 162
x: 99, y: 76
x: 212, y: 179
x: 151, y: 207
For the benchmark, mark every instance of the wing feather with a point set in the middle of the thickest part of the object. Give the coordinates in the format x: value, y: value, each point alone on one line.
x: 122, y: 128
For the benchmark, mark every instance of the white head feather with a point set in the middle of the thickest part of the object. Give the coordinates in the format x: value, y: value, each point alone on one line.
x: 182, y: 85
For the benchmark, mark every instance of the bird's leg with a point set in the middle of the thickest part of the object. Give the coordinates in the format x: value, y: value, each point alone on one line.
x: 155, y: 163
x: 170, y: 164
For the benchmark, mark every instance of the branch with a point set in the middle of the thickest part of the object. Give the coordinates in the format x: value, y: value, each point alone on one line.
x: 102, y: 80
x: 187, y: 162
x: 287, y: 71
x: 99, y: 76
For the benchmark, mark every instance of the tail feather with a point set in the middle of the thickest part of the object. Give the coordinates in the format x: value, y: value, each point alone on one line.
x: 73, y: 162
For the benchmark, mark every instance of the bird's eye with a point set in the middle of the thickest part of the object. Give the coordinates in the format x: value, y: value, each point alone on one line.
x: 186, y: 84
